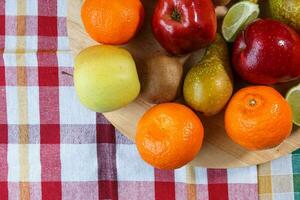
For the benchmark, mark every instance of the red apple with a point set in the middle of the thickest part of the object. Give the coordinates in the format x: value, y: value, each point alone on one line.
x: 183, y: 26
x: 267, y: 52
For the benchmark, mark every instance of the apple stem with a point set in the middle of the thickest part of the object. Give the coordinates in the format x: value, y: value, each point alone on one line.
x: 66, y: 73
x: 176, y: 15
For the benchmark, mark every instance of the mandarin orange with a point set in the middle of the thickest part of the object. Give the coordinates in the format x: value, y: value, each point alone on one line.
x: 112, y: 21
x: 169, y: 135
x: 258, y: 117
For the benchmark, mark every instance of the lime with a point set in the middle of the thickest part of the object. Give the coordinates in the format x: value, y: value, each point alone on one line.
x: 293, y: 97
x: 238, y: 16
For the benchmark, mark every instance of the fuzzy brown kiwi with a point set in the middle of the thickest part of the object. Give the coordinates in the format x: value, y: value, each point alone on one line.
x: 162, y: 79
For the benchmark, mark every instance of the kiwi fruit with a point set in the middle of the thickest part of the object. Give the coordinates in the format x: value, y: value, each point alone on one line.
x: 161, y: 79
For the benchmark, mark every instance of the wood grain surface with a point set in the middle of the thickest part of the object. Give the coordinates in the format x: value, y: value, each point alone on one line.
x: 218, y: 150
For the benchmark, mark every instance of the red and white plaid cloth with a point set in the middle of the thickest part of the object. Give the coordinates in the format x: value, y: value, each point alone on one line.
x: 52, y: 148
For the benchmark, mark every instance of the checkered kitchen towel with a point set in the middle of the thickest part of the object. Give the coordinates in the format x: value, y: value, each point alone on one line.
x: 53, y: 148
x: 280, y: 179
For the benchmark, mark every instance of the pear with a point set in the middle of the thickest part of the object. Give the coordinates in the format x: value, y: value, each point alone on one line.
x: 208, y: 85
x: 287, y: 11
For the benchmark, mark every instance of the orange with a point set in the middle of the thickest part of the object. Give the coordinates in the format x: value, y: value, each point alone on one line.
x: 112, y: 21
x: 169, y: 135
x: 258, y: 117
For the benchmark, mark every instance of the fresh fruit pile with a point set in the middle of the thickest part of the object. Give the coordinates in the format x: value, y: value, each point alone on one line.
x: 169, y: 135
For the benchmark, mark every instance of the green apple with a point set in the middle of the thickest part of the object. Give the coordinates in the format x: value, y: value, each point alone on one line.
x: 105, y: 78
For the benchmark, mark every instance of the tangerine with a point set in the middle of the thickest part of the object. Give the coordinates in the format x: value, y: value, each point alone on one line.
x: 258, y: 117
x: 112, y: 22
x: 169, y: 135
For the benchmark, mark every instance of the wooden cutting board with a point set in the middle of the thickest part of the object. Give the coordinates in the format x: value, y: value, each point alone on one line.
x: 218, y: 150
